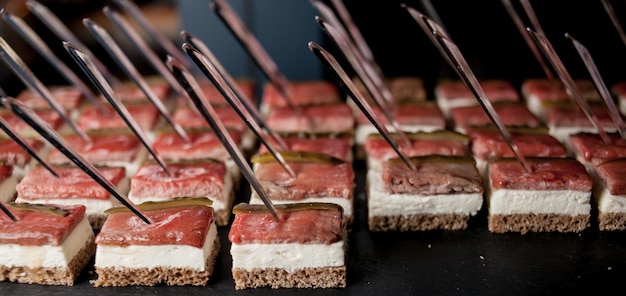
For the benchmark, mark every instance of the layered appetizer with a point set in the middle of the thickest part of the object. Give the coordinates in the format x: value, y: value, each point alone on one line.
x: 541, y: 93
x: 451, y: 94
x: 443, y: 192
x: 487, y: 144
x: 329, y: 118
x: 130, y: 92
x: 304, y: 93
x: 318, y: 178
x: 190, y: 118
x: 554, y: 197
x: 442, y: 142
x: 587, y: 146
x: 49, y: 116
x: 305, y: 248
x: 72, y: 187
x: 338, y: 146
x: 47, y: 245
x: 11, y: 153
x: 110, y: 148
x: 204, y: 143
x: 412, y: 117
x: 511, y: 114
x: 192, y: 178
x: 609, y: 193
x: 145, y: 114
x: 178, y: 248
x: 568, y: 119
x: 68, y: 97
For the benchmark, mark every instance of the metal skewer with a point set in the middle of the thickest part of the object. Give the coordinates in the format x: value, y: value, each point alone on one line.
x: 24, y: 144
x: 58, y: 142
x: 138, y: 16
x: 454, y: 56
x: 35, y: 41
x: 346, y: 83
x: 209, y: 114
x: 341, y: 41
x: 356, y: 35
x: 6, y: 211
x: 517, y: 20
x: 64, y: 33
x: 472, y: 83
x: 616, y: 23
x: 13, y: 134
x: 98, y: 80
x: 18, y: 67
x: 570, y: 85
x: 256, y: 51
x: 254, y: 112
x: 375, y: 86
x: 210, y: 71
x: 426, y: 23
x: 145, y: 49
x: 432, y: 13
x: 124, y: 62
x: 600, y: 85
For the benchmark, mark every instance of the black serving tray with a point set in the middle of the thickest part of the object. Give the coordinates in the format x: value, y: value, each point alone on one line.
x: 467, y: 262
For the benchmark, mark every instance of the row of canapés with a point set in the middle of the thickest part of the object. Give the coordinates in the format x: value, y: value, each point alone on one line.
x: 441, y: 189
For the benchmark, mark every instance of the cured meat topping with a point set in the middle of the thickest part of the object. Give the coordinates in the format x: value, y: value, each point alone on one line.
x: 312, y: 180
x: 488, y: 145
x: 171, y: 226
x: 307, y: 226
x: 338, y: 147
x: 72, y: 182
x: 36, y: 228
x: 612, y: 174
x: 203, y: 144
x: 103, y: 148
x: 12, y: 153
x: 378, y: 148
x: 188, y: 179
x: 433, y: 175
x: 591, y: 146
x: 547, y: 174
x: 303, y: 93
x: 91, y: 118
x: 323, y: 118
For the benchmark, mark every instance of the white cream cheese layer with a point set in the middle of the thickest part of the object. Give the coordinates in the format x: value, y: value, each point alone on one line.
x: 7, y: 189
x: 607, y: 202
x: 566, y: 202
x: 218, y: 204
x: 93, y: 206
x: 169, y: 256
x: 381, y: 203
x: 291, y: 257
x: 47, y: 256
x: 346, y: 204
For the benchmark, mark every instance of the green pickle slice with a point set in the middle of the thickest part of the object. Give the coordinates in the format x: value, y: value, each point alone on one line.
x: 297, y: 156
x: 166, y: 204
x: 41, y: 208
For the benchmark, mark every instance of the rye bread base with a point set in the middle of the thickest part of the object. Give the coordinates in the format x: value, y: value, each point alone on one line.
x: 317, y: 277
x: 59, y: 276
x: 612, y: 221
x: 421, y: 222
x: 524, y: 223
x: 123, y: 276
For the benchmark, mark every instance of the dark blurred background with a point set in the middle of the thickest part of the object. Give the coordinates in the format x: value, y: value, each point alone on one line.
x: 482, y: 30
